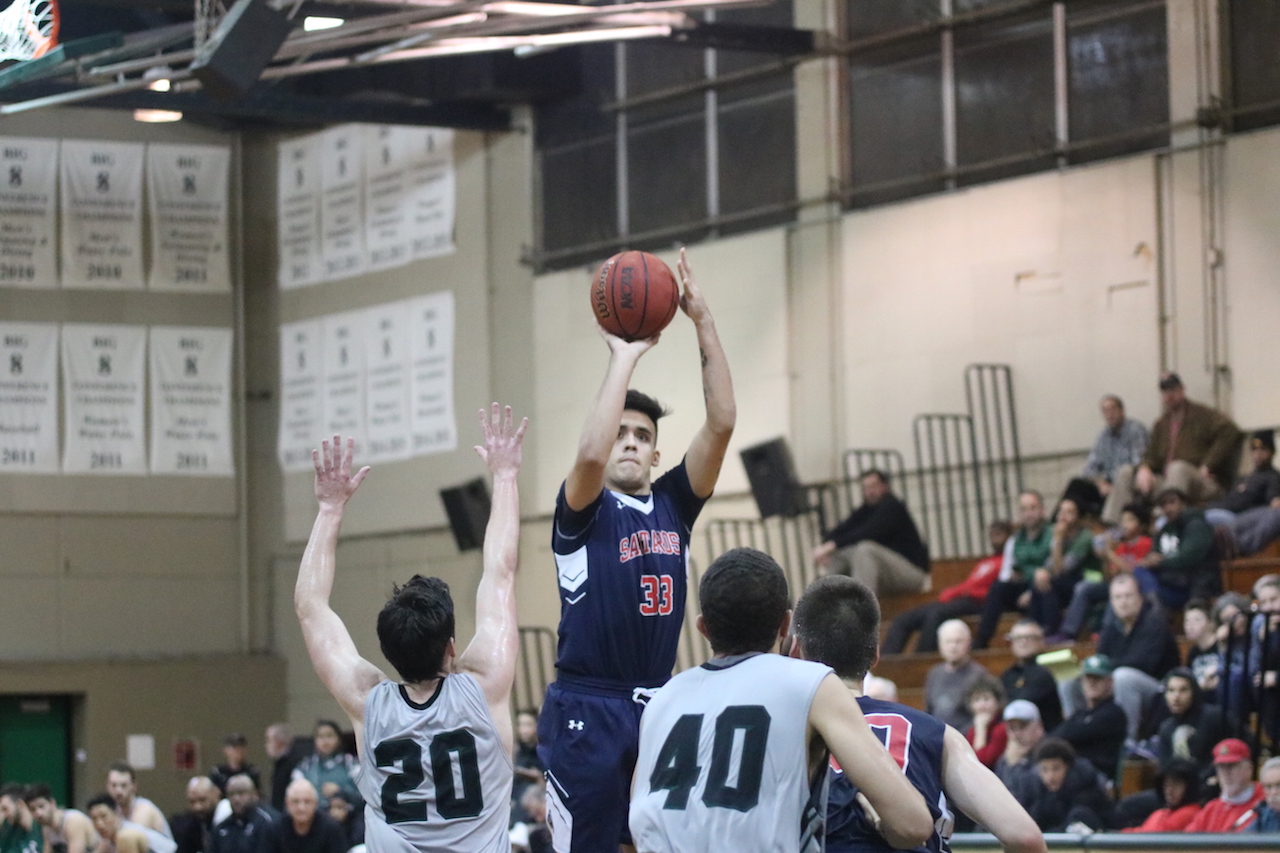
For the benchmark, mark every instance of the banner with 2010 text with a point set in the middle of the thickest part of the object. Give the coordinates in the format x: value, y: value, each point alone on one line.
x: 28, y: 212
x: 101, y: 214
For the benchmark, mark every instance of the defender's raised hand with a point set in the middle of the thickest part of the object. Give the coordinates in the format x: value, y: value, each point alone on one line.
x: 691, y: 300
x: 501, y: 450
x: 334, y: 482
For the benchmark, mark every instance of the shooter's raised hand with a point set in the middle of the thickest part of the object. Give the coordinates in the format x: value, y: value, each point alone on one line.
x: 334, y: 483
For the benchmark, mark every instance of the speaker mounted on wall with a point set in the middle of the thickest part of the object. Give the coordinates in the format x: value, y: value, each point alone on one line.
x: 467, y: 506
x: 231, y: 61
x: 774, y: 483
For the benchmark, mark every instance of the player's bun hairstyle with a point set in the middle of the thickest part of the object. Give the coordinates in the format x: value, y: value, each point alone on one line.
x: 103, y: 799
x: 744, y: 599
x: 638, y: 401
x: 38, y: 791
x: 837, y: 621
x: 1055, y: 747
x: 415, y: 627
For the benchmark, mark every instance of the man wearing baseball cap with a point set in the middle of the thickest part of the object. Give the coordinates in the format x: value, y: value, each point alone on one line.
x: 1097, y: 730
x: 1233, y: 810
x: 1015, y: 768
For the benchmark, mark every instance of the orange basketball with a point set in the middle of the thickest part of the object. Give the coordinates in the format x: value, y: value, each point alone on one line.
x: 634, y: 295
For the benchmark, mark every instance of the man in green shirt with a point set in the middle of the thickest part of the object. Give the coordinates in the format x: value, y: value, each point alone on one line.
x: 19, y: 832
x: 1027, y: 551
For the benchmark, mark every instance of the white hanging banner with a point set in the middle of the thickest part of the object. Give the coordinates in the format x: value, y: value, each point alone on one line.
x: 28, y: 212
x: 28, y: 398
x: 102, y: 381
x: 344, y: 346
x: 298, y: 213
x: 189, y: 212
x: 434, y: 427
x: 191, y: 401
x: 387, y: 370
x: 301, y: 393
x: 342, y: 201
x: 432, y: 189
x: 102, y: 214
x: 387, y: 151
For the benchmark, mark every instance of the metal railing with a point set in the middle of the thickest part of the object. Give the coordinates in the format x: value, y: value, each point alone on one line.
x: 535, y: 668
x: 988, y: 391
x: 950, y: 483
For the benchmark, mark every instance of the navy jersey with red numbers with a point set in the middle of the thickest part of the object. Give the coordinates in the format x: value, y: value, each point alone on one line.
x: 622, y: 567
x: 915, y: 740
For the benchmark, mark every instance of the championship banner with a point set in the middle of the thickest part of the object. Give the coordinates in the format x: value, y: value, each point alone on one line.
x: 102, y: 214
x: 342, y: 201
x: 298, y: 213
x: 432, y: 189
x: 387, y: 151
x: 28, y: 212
x: 29, y: 398
x: 344, y: 346
x: 301, y: 393
x: 191, y: 401
x: 102, y: 382
x: 387, y: 370
x: 189, y: 212
x: 434, y: 429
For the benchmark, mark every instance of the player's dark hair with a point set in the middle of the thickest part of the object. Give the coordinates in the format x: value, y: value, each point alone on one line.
x: 875, y: 472
x: 638, y: 401
x: 744, y: 599
x: 415, y: 627
x: 837, y: 621
x: 38, y: 791
x: 122, y: 767
x: 103, y: 799
x: 1055, y: 747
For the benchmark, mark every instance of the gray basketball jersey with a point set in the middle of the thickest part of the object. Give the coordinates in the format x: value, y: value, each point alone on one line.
x: 723, y: 761
x: 434, y: 776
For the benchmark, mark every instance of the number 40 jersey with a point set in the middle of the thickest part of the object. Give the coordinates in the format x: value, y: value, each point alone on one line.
x: 434, y: 776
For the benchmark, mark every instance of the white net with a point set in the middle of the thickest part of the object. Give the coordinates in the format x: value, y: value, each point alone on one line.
x: 28, y: 28
x: 208, y: 14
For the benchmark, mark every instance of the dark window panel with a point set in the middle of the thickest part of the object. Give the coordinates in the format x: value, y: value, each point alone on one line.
x: 580, y: 117
x: 579, y: 194
x: 772, y: 15
x: 896, y: 117
x: 757, y: 152
x: 667, y: 172
x: 873, y: 17
x: 778, y: 83
x: 653, y: 65
x: 1118, y: 81
x: 1004, y: 96
x: 1255, y: 62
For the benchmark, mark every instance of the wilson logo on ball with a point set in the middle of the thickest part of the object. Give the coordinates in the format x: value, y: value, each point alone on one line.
x: 634, y: 295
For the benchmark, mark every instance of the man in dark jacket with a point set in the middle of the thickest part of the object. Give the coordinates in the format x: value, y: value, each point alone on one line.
x: 1184, y: 562
x: 878, y: 544
x: 1068, y: 791
x: 1251, y: 510
x: 1097, y: 730
x: 1026, y: 679
x: 246, y: 829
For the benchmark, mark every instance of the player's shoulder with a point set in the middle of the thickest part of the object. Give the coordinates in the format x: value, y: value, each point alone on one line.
x: 912, y: 715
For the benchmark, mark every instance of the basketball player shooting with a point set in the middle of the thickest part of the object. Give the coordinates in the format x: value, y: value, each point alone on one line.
x: 435, y: 747
x: 621, y: 549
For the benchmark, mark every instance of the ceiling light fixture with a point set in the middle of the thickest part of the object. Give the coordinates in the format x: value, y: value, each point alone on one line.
x: 311, y: 23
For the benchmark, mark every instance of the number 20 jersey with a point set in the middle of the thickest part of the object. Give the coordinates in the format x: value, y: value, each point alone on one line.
x: 724, y: 760
x: 434, y: 776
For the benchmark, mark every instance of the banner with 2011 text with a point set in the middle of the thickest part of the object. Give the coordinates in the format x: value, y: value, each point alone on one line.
x: 189, y: 213
x: 103, y: 381
x: 191, y: 401
x: 28, y: 398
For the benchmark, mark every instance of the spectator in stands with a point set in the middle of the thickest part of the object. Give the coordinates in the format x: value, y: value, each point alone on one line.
x: 234, y: 748
x: 1026, y: 679
x: 65, y: 830
x: 329, y: 769
x: 987, y: 735
x: 1192, y: 727
x: 532, y: 836
x: 1233, y: 810
x: 1184, y: 563
x: 246, y: 829
x: 1264, y: 654
x: 1097, y: 730
x: 1069, y: 793
x: 351, y: 820
x: 19, y: 832
x: 115, y: 834
x: 1202, y: 650
x: 1119, y: 552
x: 875, y: 687
x: 1139, y: 645
x: 1268, y: 819
x: 1026, y: 552
x: 963, y: 599
x: 1193, y: 449
x: 1231, y: 681
x: 1176, y: 795
x: 285, y: 752
x: 1121, y: 443
x: 122, y: 784
x: 1250, y: 512
x: 948, y: 682
x: 1016, y: 768
x: 193, y: 828
x: 304, y: 827
x: 528, y: 768
x: 878, y: 544
x: 1071, y: 561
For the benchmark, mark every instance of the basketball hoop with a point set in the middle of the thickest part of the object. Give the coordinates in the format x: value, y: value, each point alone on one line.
x: 28, y: 28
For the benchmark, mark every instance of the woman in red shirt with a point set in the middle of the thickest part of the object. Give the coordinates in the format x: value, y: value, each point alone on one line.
x: 987, y: 735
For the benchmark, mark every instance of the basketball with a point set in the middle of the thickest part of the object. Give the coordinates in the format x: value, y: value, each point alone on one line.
x: 634, y: 295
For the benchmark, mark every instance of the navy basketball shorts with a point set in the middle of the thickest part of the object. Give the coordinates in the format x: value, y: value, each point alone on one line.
x: 588, y: 742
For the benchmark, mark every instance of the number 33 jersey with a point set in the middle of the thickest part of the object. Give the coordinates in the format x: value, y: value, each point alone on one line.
x: 723, y: 762
x: 434, y: 776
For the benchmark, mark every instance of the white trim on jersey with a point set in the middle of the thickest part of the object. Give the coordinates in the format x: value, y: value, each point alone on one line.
x: 572, y: 570
x: 645, y: 505
x: 559, y: 818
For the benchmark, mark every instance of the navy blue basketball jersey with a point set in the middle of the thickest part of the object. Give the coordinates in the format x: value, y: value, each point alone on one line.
x: 622, y: 564
x: 915, y: 740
